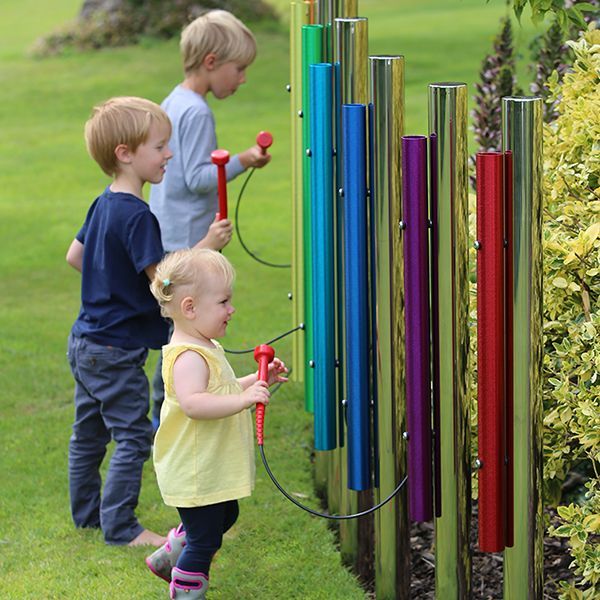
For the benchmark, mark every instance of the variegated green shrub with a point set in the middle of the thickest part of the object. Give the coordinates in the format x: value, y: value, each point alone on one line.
x: 572, y: 304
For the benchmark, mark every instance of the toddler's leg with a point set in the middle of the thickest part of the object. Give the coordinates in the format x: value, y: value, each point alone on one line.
x: 204, y: 527
x: 87, y: 445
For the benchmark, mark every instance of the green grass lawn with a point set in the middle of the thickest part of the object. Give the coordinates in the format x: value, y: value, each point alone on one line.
x: 47, y: 183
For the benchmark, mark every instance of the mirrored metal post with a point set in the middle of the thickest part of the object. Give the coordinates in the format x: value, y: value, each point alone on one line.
x: 450, y: 311
x: 351, y: 61
x: 522, y: 136
x: 392, y: 554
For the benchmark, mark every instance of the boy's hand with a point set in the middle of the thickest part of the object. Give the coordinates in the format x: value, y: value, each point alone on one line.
x: 275, y: 369
x: 254, y: 157
x: 219, y: 234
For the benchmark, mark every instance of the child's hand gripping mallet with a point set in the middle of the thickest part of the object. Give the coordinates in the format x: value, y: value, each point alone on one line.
x: 264, y: 139
x: 263, y: 355
x: 221, y: 158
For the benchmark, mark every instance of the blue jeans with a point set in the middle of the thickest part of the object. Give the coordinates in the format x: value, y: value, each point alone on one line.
x: 111, y: 402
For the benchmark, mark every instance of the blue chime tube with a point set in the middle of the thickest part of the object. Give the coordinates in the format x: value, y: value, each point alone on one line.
x: 323, y: 304
x: 357, y: 295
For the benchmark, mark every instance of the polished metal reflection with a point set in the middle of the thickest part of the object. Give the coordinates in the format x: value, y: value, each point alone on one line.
x: 351, y: 56
x: 351, y: 53
x: 449, y: 215
x: 522, y: 135
x: 392, y: 551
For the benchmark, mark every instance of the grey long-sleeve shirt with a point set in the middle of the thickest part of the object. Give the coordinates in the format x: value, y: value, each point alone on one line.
x: 186, y: 200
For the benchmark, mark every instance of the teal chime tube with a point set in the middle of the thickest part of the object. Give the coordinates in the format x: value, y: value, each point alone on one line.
x: 323, y: 274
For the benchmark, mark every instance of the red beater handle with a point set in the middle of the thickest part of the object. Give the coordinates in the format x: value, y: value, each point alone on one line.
x: 263, y: 355
x: 221, y: 158
x: 264, y: 139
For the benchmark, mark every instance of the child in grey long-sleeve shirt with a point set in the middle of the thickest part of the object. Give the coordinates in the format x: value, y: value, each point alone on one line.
x: 216, y: 49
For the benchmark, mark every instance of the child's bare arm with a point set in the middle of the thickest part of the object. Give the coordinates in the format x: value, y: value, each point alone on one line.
x: 190, y: 379
x: 75, y: 255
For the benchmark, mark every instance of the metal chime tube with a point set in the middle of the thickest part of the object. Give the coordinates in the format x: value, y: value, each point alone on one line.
x: 491, y: 396
x: 415, y: 234
x: 323, y: 301
x: 312, y: 53
x: 450, y: 310
x: 392, y: 554
x: 357, y: 296
x: 328, y: 11
x: 298, y: 16
x: 522, y: 136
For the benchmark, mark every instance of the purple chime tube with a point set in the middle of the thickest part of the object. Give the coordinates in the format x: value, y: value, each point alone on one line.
x: 416, y: 316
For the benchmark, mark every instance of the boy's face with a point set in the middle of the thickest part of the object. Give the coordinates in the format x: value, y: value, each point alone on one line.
x: 150, y: 158
x: 226, y: 78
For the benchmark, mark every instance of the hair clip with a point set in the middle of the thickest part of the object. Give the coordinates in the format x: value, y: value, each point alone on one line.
x: 166, y: 282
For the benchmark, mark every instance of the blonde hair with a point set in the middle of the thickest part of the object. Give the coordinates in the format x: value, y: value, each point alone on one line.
x: 186, y: 272
x: 121, y: 120
x: 220, y: 33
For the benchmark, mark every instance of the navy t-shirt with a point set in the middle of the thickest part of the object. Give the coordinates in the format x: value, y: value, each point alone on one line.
x: 121, y: 237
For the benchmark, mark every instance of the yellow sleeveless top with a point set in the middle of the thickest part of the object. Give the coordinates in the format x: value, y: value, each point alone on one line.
x: 199, y: 461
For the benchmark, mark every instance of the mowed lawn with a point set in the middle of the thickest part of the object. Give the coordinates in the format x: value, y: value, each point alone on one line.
x: 47, y: 183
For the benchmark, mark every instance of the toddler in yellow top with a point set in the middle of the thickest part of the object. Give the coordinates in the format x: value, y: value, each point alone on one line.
x: 204, y: 448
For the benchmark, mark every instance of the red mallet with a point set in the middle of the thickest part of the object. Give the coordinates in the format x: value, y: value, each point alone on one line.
x: 263, y: 355
x: 264, y: 139
x: 221, y: 158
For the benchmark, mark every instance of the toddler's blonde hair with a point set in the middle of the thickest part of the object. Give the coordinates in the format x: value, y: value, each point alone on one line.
x: 185, y: 272
x: 120, y: 120
x: 220, y: 33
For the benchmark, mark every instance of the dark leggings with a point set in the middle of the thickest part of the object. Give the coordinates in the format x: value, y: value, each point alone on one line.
x: 204, y: 528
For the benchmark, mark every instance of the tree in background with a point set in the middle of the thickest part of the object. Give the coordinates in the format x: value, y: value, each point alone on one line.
x: 103, y: 23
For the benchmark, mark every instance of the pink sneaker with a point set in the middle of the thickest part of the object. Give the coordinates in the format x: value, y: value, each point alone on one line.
x: 162, y: 560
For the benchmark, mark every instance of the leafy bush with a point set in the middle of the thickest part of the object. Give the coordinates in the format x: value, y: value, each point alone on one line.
x: 572, y: 303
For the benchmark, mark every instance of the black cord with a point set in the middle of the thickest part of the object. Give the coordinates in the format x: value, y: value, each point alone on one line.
x: 237, y: 229
x: 275, y: 339
x: 325, y: 515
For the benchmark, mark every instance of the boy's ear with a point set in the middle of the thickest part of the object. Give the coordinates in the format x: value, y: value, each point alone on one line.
x: 210, y: 61
x: 123, y: 153
x: 188, y: 309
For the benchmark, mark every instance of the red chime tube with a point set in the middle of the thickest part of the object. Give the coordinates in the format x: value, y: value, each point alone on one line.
x: 491, y: 351
x: 508, y: 270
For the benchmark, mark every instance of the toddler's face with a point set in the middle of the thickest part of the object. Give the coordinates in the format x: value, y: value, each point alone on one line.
x: 213, y: 309
x: 227, y: 78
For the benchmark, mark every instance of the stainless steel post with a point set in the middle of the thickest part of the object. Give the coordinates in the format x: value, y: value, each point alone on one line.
x: 392, y: 553
x: 450, y: 334
x: 351, y: 54
x: 522, y: 136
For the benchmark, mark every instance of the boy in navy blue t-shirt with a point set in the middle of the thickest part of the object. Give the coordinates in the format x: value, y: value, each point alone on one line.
x: 116, y: 250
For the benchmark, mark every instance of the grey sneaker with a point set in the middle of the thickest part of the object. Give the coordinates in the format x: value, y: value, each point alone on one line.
x: 190, y: 586
x: 162, y: 560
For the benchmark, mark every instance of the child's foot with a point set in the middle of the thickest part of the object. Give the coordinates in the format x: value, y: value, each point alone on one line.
x: 148, y: 538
